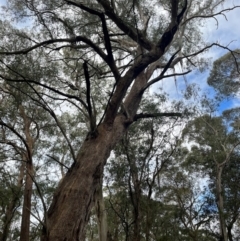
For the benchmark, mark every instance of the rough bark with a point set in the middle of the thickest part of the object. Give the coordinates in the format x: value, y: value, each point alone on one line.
x: 75, y: 195
x: 74, y: 198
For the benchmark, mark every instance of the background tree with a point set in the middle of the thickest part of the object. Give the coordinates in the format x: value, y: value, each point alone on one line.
x: 21, y: 124
x: 225, y: 74
x: 214, y: 151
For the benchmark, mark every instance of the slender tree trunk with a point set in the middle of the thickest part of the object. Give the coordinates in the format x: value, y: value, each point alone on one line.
x: 12, y: 205
x: 101, y: 214
x: 223, y: 228
x: 136, y: 228
x: 230, y: 237
x: 26, y: 210
x: 74, y: 197
x: 29, y: 174
x: 135, y: 197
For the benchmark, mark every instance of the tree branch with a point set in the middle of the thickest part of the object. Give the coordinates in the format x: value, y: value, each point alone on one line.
x: 211, y: 15
x: 109, y: 58
x: 169, y: 64
x: 88, y: 97
x: 168, y: 35
x: 20, y: 137
x: 153, y: 81
x: 47, y: 87
x: 137, y: 36
x: 46, y: 107
x: 147, y: 115
x: 56, y: 160
x: 60, y: 40
x: 174, y: 10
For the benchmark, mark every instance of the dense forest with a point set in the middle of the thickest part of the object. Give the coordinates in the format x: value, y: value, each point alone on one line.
x: 92, y: 147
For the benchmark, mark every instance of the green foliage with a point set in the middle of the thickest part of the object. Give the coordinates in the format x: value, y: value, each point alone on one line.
x: 225, y: 74
x: 215, y: 152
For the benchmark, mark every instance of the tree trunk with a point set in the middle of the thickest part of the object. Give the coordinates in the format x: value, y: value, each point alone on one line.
x: 136, y: 227
x: 223, y: 229
x: 230, y: 237
x: 27, y: 157
x: 101, y: 214
x: 135, y: 197
x: 26, y: 210
x: 74, y: 197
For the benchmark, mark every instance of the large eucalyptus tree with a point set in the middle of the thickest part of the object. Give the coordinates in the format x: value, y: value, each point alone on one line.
x: 100, y: 57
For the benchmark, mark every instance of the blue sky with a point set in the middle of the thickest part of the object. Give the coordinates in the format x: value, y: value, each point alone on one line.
x: 226, y: 32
